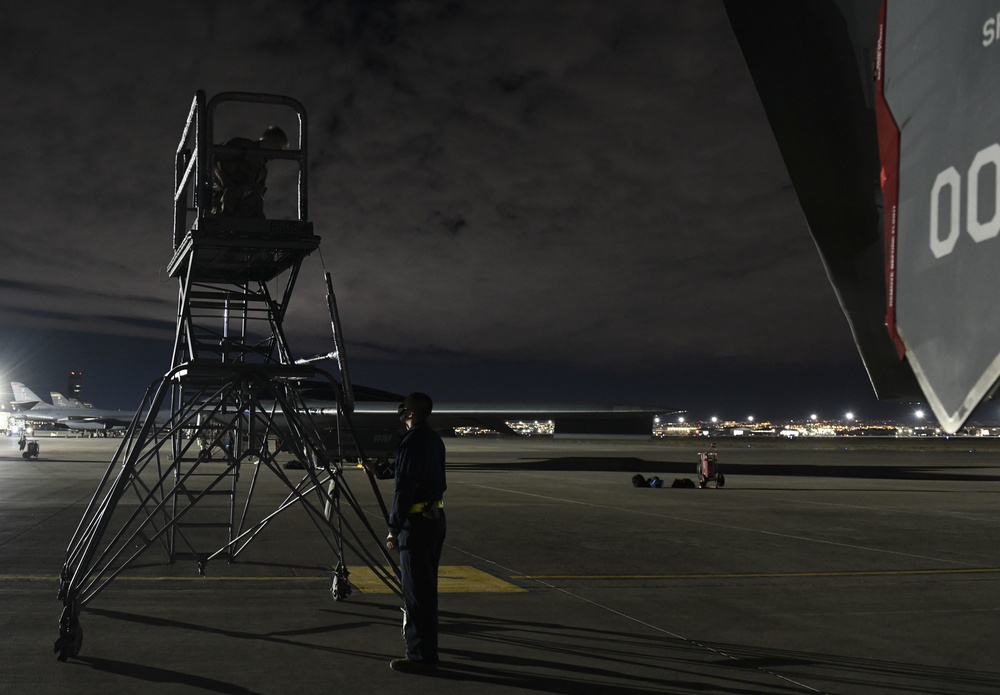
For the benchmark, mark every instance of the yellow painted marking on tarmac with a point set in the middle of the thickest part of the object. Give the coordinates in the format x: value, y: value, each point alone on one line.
x: 459, y: 579
x: 453, y: 579
x: 756, y: 575
x: 37, y: 578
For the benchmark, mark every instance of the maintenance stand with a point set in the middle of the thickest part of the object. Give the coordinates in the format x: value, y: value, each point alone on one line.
x: 184, y: 477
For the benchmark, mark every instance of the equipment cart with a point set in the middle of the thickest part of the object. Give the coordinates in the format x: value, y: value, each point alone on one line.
x: 708, y: 469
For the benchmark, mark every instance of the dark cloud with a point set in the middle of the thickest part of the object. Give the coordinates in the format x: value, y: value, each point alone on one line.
x: 589, y: 186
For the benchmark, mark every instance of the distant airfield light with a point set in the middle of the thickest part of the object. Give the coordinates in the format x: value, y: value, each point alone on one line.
x: 813, y: 417
x: 714, y: 419
x: 919, y: 414
x: 656, y: 419
x: 749, y: 418
x: 681, y: 419
x: 850, y: 416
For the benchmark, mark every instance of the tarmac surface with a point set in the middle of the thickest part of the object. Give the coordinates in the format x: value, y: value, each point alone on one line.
x: 844, y: 566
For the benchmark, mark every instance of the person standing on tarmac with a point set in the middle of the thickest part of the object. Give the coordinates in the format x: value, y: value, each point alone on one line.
x: 417, y: 531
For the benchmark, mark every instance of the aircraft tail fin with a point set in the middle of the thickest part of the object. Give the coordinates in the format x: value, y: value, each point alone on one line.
x: 23, y: 396
x: 60, y: 401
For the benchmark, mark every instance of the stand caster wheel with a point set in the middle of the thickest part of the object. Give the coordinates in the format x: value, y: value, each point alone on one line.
x: 341, y: 588
x: 70, y: 637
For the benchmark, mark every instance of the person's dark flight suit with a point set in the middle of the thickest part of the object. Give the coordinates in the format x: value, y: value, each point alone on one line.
x: 418, y: 522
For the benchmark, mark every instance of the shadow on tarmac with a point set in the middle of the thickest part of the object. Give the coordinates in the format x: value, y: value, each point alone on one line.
x: 610, y: 654
x: 517, y: 655
x: 153, y: 674
x: 585, y: 464
x: 857, y: 673
x: 549, y: 657
x: 278, y: 637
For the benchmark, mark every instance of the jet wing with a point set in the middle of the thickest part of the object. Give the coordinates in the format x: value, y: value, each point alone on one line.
x: 35, y: 414
x: 88, y: 425
x: 377, y: 406
x: 886, y: 116
x: 93, y: 421
x: 812, y: 63
x: 378, y: 426
x: 570, y: 420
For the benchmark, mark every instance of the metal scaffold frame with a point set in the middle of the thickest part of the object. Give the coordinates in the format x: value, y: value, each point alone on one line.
x: 186, y: 477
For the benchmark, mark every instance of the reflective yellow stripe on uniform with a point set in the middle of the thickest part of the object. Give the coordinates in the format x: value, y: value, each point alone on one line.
x: 421, y: 506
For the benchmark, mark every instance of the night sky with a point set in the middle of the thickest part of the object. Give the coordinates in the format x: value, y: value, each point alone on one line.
x: 568, y: 201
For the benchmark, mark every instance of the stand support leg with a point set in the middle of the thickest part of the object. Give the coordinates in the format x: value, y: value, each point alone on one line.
x: 70, y: 632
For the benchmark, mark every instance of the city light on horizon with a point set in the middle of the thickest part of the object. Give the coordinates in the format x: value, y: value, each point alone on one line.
x: 909, y: 419
x: 914, y: 422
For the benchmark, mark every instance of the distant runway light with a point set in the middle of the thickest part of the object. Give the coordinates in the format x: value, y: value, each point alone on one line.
x: 714, y: 419
x: 850, y: 416
x: 919, y: 414
x: 813, y: 417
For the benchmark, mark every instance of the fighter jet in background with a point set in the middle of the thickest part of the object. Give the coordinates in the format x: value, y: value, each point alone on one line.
x: 70, y: 414
x: 376, y: 418
x: 61, y: 401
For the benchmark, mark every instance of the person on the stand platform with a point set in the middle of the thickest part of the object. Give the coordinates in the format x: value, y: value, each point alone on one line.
x: 239, y: 181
